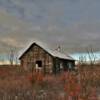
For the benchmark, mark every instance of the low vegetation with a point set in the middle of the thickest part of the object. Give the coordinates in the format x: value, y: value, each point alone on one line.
x: 82, y: 84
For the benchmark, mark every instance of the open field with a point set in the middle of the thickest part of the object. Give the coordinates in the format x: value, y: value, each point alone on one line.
x: 15, y: 85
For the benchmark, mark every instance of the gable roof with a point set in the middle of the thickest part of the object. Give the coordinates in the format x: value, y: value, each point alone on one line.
x: 54, y: 53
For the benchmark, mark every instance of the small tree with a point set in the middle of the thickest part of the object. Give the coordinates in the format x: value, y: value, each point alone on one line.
x: 82, y: 60
x: 91, y: 55
x: 12, y: 56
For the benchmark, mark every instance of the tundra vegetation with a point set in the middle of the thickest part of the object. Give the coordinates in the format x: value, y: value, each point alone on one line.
x: 81, y: 84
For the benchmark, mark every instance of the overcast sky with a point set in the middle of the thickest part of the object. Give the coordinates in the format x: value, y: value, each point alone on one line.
x: 73, y: 24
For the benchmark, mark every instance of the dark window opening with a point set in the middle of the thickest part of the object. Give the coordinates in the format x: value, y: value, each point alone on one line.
x: 39, y: 63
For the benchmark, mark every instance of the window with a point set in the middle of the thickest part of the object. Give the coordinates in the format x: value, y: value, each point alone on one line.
x: 70, y: 65
x: 61, y: 65
x: 39, y: 63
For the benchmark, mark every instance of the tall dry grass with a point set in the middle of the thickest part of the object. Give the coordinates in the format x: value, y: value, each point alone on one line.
x: 15, y: 85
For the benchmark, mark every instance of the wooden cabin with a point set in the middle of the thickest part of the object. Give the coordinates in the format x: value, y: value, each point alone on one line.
x: 38, y: 56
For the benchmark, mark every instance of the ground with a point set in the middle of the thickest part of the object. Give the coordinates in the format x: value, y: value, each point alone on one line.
x: 15, y: 84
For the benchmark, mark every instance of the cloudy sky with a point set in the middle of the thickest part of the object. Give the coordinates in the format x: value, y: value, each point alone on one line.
x: 73, y: 24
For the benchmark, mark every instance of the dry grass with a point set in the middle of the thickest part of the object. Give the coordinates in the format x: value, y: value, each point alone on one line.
x: 15, y: 85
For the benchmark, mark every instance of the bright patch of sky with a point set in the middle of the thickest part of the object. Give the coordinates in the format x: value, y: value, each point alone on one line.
x: 77, y: 56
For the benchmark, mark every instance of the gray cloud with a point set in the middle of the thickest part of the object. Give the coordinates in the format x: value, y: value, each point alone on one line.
x: 74, y: 24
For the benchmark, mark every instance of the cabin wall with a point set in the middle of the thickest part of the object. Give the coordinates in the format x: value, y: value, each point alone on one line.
x: 63, y: 65
x: 37, y: 54
x: 68, y: 64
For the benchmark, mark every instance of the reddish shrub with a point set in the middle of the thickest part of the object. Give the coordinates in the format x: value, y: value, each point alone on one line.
x: 36, y: 78
x: 39, y: 78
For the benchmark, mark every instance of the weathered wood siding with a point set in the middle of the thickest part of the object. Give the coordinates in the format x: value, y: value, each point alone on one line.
x: 36, y: 53
x: 63, y: 65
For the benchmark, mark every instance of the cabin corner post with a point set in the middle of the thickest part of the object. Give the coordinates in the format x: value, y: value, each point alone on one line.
x: 54, y: 66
